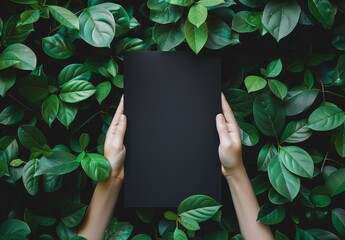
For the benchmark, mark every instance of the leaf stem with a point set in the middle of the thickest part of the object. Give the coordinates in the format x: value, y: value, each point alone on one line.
x: 335, y: 94
x: 324, y: 160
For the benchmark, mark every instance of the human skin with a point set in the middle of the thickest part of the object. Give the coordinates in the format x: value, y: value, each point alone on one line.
x: 106, y: 193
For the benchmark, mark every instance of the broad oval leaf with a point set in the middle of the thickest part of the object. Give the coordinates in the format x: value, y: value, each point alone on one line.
x: 338, y: 220
x: 249, y: 134
x: 76, y: 91
x: 240, y: 22
x: 219, y: 34
x: 25, y: 57
x: 268, y: 114
x: 323, y: 11
x: 189, y: 223
x: 64, y: 16
x: 276, y: 198
x: 72, y: 214
x: 197, y: 15
x: 273, y: 69
x: 283, y: 181
x: 141, y: 237
x: 270, y: 214
x: 31, y: 181
x: 97, y: 26
x: 179, y: 235
x: 50, y: 108
x: 254, y: 83
x: 14, y: 227
x: 31, y: 137
x: 29, y: 16
x: 118, y: 230
x: 74, y: 72
x: 168, y: 36
x: 7, y: 79
x: 96, y: 166
x: 299, y: 99
x: 278, y: 88
x: 326, y: 118
x: 320, y: 196
x: 296, y: 131
x: 102, y: 91
x: 58, y: 47
x: 339, y: 140
x: 267, y: 152
x: 198, y: 207
x: 321, y: 234
x: 260, y: 184
x: 11, y: 115
x: 163, y: 12
x: 281, y: 17
x: 8, y: 149
x: 12, y: 34
x: 196, y: 36
x: 33, y: 88
x: 182, y: 3
x: 240, y: 101
x: 297, y: 161
x: 335, y: 183
x: 67, y: 112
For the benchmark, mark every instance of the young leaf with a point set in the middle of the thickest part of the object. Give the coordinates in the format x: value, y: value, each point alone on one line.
x: 254, y: 83
x: 50, y: 108
x: 96, y: 166
x: 278, y: 88
x: 179, y: 235
x: 29, y: 16
x: 170, y: 215
x: 281, y: 17
x: 322, y: 11
x: 326, y: 118
x: 196, y: 37
x: 64, y: 16
x: 273, y: 69
x: 240, y: 22
x: 189, y: 223
x: 102, y: 91
x: 197, y: 15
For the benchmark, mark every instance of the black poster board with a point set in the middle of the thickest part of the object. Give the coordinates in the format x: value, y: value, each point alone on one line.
x: 171, y: 100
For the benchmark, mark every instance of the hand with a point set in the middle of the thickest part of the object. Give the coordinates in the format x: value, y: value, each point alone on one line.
x: 114, y: 150
x: 230, y: 147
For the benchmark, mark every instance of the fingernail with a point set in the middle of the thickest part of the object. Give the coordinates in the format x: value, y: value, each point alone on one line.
x: 123, y: 117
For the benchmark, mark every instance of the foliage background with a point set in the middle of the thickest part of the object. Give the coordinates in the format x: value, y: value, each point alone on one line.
x: 60, y: 82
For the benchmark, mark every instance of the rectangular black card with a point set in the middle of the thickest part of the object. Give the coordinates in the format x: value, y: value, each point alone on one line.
x: 171, y: 100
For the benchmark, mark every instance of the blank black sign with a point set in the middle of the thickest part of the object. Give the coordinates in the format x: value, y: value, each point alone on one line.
x: 171, y: 101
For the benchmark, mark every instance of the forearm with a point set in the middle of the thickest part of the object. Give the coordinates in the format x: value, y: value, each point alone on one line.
x: 100, y: 209
x: 247, y: 207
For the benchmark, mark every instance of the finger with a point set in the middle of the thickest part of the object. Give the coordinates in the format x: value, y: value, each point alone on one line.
x: 227, y: 111
x: 117, y: 116
x: 120, y: 132
x: 222, y: 129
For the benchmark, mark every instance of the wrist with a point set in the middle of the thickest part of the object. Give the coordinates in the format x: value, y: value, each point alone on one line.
x: 235, y: 174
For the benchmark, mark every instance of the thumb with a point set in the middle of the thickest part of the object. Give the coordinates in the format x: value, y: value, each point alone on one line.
x: 222, y: 129
x: 120, y: 132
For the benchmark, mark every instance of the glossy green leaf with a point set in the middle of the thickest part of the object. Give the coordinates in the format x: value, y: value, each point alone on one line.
x: 260, y: 184
x: 52, y: 183
x: 102, y: 91
x: 210, y: 3
x: 58, y: 47
x: 276, y: 198
x: 198, y: 207
x: 67, y: 113
x: 31, y: 181
x: 273, y: 69
x: 219, y: 34
x: 72, y: 214
x: 118, y: 230
x: 269, y: 214
x: 283, y: 181
x: 320, y: 234
x: 182, y: 3
x: 142, y: 237
x: 168, y: 36
x: 130, y: 44
x: 278, y: 88
x: 320, y: 196
x: 97, y: 26
x: 179, y: 235
x: 253, y: 3
x: 303, y: 235
x: 84, y: 140
x: 96, y: 166
x: 338, y: 220
x: 29, y: 16
x: 335, y: 183
x: 267, y: 152
x: 14, y: 227
x: 8, y: 149
x: 74, y: 72
x: 59, y: 163
x: 50, y: 108
x: 254, y: 83
x: 299, y: 99
x: 296, y: 131
x: 11, y: 115
x: 25, y: 58
x: 269, y: 115
x: 240, y: 22
x: 64, y: 16
x: 339, y: 140
x: 297, y: 160
x: 33, y: 87
x: 189, y: 223
x: 339, y: 37
x: 249, y: 134
x: 145, y: 215
x: 118, y: 81
x: 162, y: 12
x: 13, y: 33
x: 31, y: 137
x: 197, y: 15
x: 25, y: 1
x: 280, y: 236
x: 323, y: 11
x: 240, y: 101
x: 196, y: 36
x: 326, y: 118
x: 281, y: 17
x: 7, y: 80
x: 76, y: 91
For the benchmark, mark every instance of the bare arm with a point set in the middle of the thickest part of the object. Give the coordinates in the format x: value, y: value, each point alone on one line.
x: 106, y: 193
x: 244, y: 199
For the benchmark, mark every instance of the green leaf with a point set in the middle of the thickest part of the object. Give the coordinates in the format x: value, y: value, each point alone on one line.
x: 11, y: 115
x: 299, y: 99
x: 249, y: 134
x: 219, y: 235
x: 323, y: 11
x: 254, y: 83
x: 25, y: 1
x: 25, y: 58
x: 64, y: 233
x: 297, y: 160
x: 320, y: 234
x: 197, y: 15
x: 31, y: 181
x: 241, y: 24
x: 162, y: 12
x: 326, y: 118
x: 84, y: 140
x: 72, y: 214
x: 196, y: 37
x: 57, y: 47
x: 281, y: 17
x: 52, y: 183
x: 339, y: 37
x: 97, y: 26
x: 210, y: 3
x: 8, y: 149
x: 16, y: 162
x: 64, y: 16
x: 141, y: 237
x: 198, y: 207
x: 267, y: 152
x: 8, y: 59
x: 102, y: 91
x: 278, y: 88
x: 14, y: 227
x: 169, y: 215
x: 67, y: 113
x: 240, y: 101
x: 145, y: 215
x: 280, y: 236
x: 253, y: 3
x: 269, y: 214
x: 33, y: 88
x: 260, y: 184
x: 283, y: 181
x: 31, y: 137
x: 7, y: 79
x: 269, y: 115
x: 273, y: 69
x: 339, y: 140
x: 76, y: 91
x: 276, y: 198
x: 50, y: 108
x: 338, y: 220
x: 189, y: 223
x: 118, y: 230
x: 320, y: 196
x: 296, y: 131
x: 29, y: 16
x: 130, y: 44
x: 118, y: 81
x: 303, y: 235
x: 335, y: 183
x: 182, y: 3
x: 96, y: 166
x: 59, y: 163
x: 168, y: 36
x: 219, y: 34
x: 179, y: 235
x: 74, y: 72
x: 14, y: 33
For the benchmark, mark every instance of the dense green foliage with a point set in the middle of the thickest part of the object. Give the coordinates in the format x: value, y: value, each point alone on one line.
x: 60, y: 82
